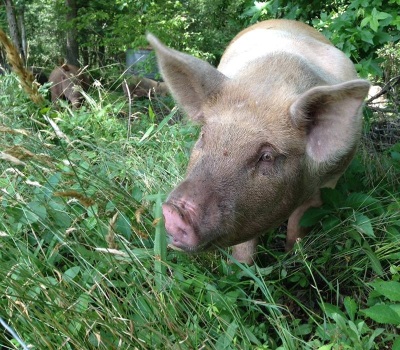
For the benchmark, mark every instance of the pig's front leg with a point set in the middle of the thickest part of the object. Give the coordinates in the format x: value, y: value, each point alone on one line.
x: 294, y: 231
x: 245, y: 251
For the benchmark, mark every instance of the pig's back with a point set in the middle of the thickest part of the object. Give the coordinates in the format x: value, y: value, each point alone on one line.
x: 294, y: 38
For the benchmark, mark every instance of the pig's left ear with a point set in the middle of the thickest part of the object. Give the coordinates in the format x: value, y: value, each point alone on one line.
x: 190, y: 80
x: 331, y: 117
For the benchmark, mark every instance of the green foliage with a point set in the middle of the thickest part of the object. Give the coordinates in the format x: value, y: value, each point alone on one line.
x: 44, y: 34
x: 384, y: 302
x: 360, y: 28
x: 345, y: 330
x: 84, y: 261
x: 75, y: 200
x: 204, y: 28
x: 357, y: 27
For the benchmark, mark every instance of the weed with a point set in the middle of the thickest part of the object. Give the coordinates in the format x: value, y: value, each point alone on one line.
x: 84, y: 261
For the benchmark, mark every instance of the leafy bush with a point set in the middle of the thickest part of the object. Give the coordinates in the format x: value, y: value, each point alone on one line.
x: 357, y: 27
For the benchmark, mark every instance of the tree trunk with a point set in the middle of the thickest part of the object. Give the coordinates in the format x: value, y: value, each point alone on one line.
x: 72, y: 53
x: 13, y: 25
x: 85, y: 56
x: 22, y: 31
x: 101, y: 55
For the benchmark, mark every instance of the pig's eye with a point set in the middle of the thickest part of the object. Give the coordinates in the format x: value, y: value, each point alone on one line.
x: 266, y: 161
x: 266, y: 157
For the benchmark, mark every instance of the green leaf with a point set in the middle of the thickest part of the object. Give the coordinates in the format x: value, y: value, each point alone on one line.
x: 351, y: 307
x: 395, y: 308
x: 382, y: 15
x: 331, y: 310
x: 371, y: 341
x: 137, y: 194
x: 160, y: 246
x: 302, y: 329
x: 326, y: 347
x: 375, y: 263
x: 392, y: 232
x: 61, y: 219
x: 374, y: 12
x: 54, y: 180
x: 365, y: 21
x: 38, y: 209
x: 312, y: 216
x: 363, y: 224
x: 225, y: 341
x: 358, y: 200
x: 395, y: 156
x: 147, y: 133
x: 330, y: 222
x: 71, y: 273
x: 374, y: 24
x: 251, y: 336
x: 332, y: 197
x: 396, y: 344
x: 231, y: 331
x: 383, y: 314
x: 389, y: 289
x: 383, y: 38
x: 352, y: 330
x: 28, y: 217
x: 56, y: 204
x: 165, y: 121
x: 123, y: 226
x: 82, y: 303
x: 110, y: 206
x: 74, y: 327
x: 340, y: 320
x: 152, y: 115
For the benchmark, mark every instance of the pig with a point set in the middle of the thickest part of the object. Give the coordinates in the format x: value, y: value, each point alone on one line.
x: 281, y: 118
x: 140, y: 87
x: 66, y: 80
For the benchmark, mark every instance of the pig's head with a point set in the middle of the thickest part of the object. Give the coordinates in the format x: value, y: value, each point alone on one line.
x: 265, y: 145
x: 71, y: 82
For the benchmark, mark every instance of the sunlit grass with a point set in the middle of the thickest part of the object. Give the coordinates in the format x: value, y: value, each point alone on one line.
x: 83, y: 256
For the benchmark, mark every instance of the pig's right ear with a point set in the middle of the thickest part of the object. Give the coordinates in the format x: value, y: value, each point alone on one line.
x: 331, y: 117
x: 190, y: 80
x: 65, y: 67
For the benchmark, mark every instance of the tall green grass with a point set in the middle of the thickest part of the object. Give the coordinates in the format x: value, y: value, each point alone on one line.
x: 83, y: 256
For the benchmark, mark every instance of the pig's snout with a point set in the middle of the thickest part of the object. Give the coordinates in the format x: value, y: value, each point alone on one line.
x: 179, y: 225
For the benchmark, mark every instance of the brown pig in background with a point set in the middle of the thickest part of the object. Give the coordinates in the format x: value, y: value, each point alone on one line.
x: 281, y: 119
x: 66, y: 83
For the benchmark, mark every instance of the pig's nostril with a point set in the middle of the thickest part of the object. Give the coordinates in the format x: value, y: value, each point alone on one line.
x: 179, y: 226
x: 183, y: 233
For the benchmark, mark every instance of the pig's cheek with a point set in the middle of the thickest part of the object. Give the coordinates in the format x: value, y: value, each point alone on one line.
x: 194, y: 157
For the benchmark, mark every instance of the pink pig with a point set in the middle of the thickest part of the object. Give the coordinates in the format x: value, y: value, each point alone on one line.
x: 281, y: 118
